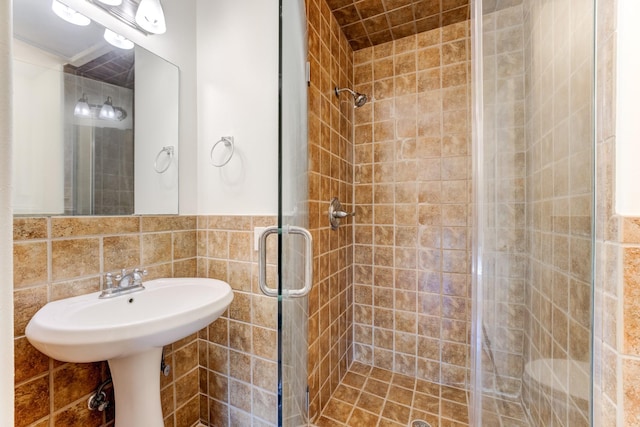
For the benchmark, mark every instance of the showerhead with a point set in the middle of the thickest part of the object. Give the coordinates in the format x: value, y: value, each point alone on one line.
x: 359, y: 99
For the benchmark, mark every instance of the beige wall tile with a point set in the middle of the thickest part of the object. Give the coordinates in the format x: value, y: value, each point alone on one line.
x: 631, y: 262
x: 74, y: 380
x: 30, y: 228
x: 630, y: 373
x: 29, y: 362
x: 75, y: 257
x: 184, y: 244
x: 156, y: 248
x: 90, y: 226
x: 77, y: 414
x: 121, y: 252
x: 26, y: 303
x: 30, y: 264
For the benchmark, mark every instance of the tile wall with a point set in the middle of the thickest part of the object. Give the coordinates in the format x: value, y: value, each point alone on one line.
x: 412, y: 192
x: 558, y: 61
x: 630, y: 346
x: 60, y: 257
x: 330, y: 175
x: 238, y: 352
x: 502, y: 220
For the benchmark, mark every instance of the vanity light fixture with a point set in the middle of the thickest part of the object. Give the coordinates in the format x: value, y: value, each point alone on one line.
x: 146, y: 16
x: 151, y: 17
x: 82, y: 108
x: 117, y: 40
x: 68, y: 14
x: 107, y: 112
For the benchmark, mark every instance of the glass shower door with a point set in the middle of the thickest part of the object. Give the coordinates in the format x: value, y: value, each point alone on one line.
x: 294, y: 241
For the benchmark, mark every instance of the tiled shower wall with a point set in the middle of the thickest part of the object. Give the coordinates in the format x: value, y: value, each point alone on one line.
x: 412, y: 192
x: 502, y: 221
x: 558, y: 61
x: 60, y: 257
x: 330, y: 175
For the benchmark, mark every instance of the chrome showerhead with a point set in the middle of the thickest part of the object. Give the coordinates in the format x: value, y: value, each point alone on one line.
x: 359, y: 99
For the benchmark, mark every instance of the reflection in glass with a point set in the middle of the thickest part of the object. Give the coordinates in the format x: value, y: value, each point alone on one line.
x: 107, y: 112
x: 82, y: 108
x: 115, y: 39
x: 69, y: 14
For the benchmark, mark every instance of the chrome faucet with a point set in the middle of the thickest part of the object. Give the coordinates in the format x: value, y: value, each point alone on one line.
x: 125, y: 283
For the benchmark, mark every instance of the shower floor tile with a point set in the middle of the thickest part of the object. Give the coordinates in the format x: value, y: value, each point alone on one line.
x: 376, y: 397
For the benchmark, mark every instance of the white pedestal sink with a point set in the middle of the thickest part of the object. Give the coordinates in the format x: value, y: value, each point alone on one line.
x: 129, y: 332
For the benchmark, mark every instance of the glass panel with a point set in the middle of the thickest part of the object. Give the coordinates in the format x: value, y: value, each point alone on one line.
x: 534, y: 152
x: 293, y: 210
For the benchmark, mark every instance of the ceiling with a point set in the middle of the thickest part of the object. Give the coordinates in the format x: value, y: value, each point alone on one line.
x: 368, y: 23
x: 116, y: 67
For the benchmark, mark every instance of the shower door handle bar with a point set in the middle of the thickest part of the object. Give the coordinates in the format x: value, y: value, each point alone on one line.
x: 308, y: 262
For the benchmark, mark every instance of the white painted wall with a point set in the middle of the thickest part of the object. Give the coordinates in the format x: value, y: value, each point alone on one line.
x: 38, y: 155
x: 627, y: 200
x: 6, y: 220
x: 178, y: 46
x: 237, y: 62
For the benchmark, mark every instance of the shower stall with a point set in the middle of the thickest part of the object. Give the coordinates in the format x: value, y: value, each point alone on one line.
x: 461, y: 292
x: 534, y: 146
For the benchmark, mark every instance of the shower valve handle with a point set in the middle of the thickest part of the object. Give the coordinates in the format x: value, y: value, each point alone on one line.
x: 342, y: 214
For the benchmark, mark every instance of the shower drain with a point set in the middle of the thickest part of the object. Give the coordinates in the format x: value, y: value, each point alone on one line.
x: 420, y: 423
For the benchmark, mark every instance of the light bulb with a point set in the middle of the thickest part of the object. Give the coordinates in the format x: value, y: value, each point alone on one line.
x: 82, y: 108
x: 68, y: 14
x: 117, y: 40
x: 150, y: 16
x: 107, y: 112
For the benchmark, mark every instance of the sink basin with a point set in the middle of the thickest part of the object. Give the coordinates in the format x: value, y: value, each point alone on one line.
x: 87, y: 329
x: 129, y: 331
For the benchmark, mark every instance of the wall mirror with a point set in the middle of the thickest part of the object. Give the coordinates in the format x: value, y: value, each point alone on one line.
x: 95, y: 118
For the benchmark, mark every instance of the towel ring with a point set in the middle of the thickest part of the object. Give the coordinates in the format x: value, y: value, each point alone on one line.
x: 228, y: 142
x: 169, y: 150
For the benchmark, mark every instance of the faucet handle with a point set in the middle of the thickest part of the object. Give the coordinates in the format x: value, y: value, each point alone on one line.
x: 109, y: 281
x: 137, y: 275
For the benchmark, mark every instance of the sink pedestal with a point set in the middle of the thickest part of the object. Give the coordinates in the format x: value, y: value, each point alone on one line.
x: 136, y: 385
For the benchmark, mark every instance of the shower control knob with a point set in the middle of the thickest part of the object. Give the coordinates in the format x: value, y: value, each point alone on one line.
x: 336, y: 213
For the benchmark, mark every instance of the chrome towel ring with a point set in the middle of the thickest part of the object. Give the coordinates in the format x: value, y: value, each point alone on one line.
x: 228, y: 142
x: 169, y: 151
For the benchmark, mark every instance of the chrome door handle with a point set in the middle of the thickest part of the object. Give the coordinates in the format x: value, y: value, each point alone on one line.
x: 308, y: 262
x: 262, y: 261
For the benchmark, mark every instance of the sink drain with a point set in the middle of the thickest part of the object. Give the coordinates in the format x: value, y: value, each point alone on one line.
x: 420, y: 423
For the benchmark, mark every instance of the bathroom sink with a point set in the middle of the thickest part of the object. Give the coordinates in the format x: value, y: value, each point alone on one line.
x: 88, y: 329
x: 129, y: 331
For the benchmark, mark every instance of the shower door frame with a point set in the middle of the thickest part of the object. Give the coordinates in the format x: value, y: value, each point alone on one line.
x: 294, y: 241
